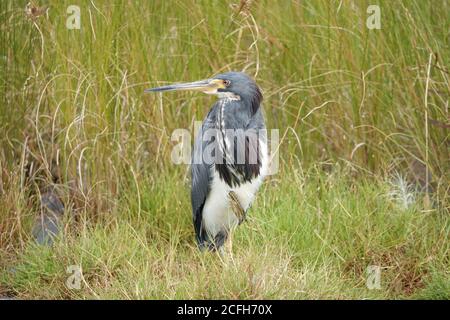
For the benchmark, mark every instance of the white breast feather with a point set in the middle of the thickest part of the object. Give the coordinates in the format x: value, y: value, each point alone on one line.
x: 217, y: 213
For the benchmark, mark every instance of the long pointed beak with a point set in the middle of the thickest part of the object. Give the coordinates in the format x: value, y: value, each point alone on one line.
x: 206, y: 86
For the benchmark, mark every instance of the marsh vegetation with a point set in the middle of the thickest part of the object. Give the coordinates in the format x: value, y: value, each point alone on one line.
x: 363, y: 117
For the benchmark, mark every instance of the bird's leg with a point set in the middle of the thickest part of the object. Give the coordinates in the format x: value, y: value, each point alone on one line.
x: 226, y: 250
x: 221, y: 252
x: 236, y: 206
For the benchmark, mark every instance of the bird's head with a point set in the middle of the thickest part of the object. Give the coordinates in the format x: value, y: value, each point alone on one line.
x: 231, y: 85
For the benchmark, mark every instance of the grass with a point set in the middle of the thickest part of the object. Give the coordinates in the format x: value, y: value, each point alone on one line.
x: 313, y: 237
x: 363, y: 119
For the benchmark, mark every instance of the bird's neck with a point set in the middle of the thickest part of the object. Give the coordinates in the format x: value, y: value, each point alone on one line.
x: 229, y: 96
x: 232, y: 113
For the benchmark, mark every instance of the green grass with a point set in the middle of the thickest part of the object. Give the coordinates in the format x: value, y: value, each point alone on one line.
x: 356, y: 108
x: 307, y: 236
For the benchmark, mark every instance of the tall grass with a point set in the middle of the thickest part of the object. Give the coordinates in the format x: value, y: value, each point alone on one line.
x: 373, y: 102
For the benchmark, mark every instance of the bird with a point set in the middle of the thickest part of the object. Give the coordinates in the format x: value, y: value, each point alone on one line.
x: 230, y: 158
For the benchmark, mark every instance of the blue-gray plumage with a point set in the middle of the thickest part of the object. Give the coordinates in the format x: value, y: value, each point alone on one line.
x: 230, y: 156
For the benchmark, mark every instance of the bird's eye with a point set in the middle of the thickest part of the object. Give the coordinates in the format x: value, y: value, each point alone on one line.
x: 226, y: 83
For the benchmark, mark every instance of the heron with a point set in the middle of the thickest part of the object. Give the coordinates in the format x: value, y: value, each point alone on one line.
x: 230, y: 156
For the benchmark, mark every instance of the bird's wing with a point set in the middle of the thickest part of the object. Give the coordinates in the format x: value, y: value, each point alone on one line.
x: 201, y: 176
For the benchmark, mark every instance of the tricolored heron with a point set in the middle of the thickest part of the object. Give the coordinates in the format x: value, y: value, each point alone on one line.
x: 225, y: 180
